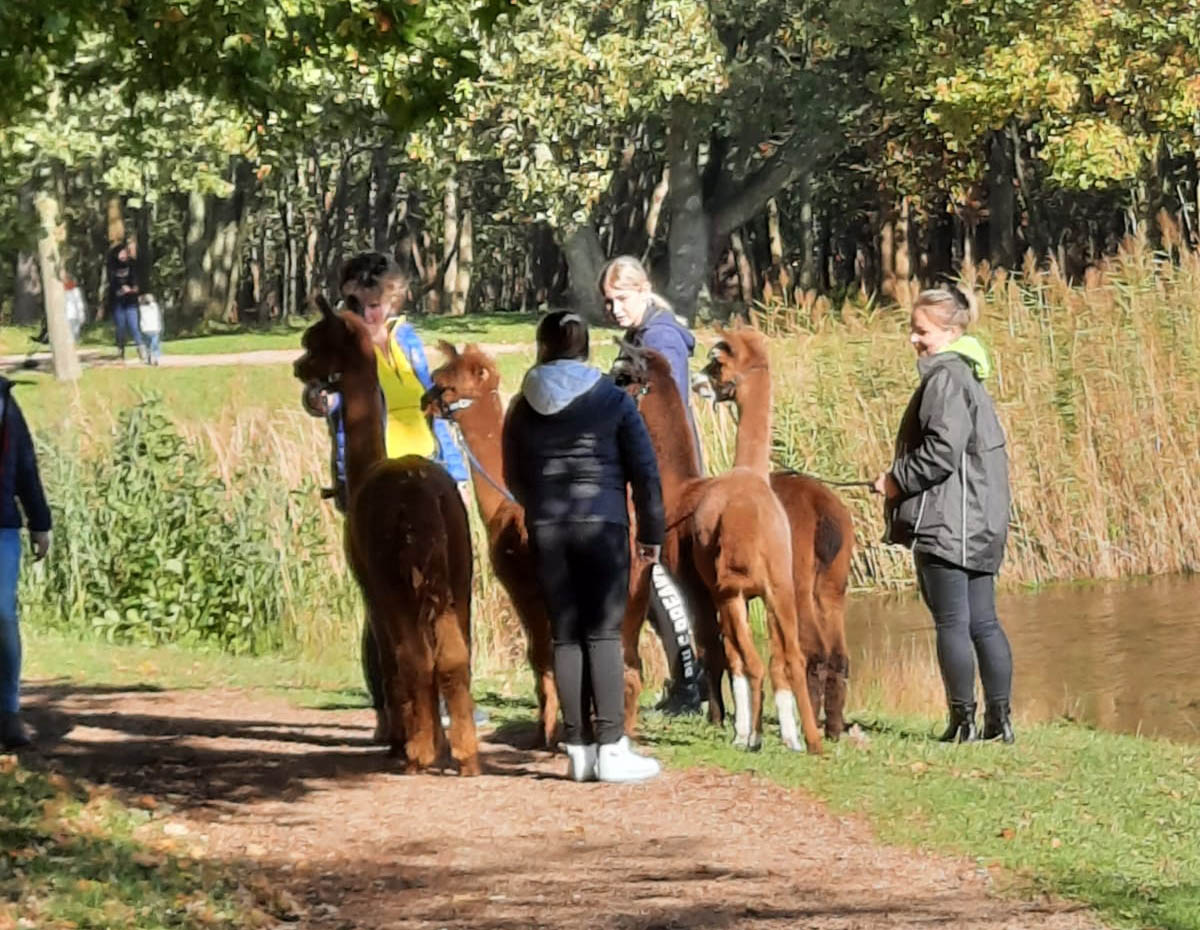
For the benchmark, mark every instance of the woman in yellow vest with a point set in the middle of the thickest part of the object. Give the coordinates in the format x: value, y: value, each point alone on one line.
x: 377, y: 289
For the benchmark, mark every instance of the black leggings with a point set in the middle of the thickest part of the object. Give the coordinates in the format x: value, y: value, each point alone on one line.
x: 963, y: 604
x: 583, y: 571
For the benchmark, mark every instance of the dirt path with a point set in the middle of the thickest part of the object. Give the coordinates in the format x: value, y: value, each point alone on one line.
x: 107, y: 358
x: 303, y: 794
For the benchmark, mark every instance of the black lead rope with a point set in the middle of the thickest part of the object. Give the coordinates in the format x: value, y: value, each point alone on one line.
x: 833, y: 484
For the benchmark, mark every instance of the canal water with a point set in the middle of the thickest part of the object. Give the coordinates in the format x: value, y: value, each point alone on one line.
x: 1121, y: 656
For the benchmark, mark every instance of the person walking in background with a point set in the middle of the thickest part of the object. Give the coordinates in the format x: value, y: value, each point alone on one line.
x: 151, y: 322
x: 947, y: 498
x: 630, y: 302
x: 573, y: 443
x: 123, y: 296
x: 22, y: 500
x: 76, y: 309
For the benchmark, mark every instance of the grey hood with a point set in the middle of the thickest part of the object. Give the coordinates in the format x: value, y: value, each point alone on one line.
x: 552, y: 387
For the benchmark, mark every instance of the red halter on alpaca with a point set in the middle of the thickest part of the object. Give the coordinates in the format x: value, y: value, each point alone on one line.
x: 740, y: 546
x: 821, y: 527
x: 409, y: 545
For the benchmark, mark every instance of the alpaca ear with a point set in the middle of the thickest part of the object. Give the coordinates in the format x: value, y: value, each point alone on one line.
x: 447, y: 349
x: 722, y: 348
x: 324, y: 307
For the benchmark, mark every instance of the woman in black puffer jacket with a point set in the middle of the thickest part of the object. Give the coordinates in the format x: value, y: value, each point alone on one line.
x: 573, y: 443
x: 947, y: 498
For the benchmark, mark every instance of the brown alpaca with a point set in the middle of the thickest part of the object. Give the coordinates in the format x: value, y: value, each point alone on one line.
x: 740, y: 546
x: 821, y: 527
x: 409, y: 545
x: 466, y: 390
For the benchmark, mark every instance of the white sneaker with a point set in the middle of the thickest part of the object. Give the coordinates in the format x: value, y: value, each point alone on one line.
x: 616, y: 762
x: 581, y: 761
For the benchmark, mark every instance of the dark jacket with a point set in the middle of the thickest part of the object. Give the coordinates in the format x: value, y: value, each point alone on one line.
x: 122, y: 274
x: 662, y: 331
x: 19, y: 478
x: 573, y: 441
x: 952, y: 469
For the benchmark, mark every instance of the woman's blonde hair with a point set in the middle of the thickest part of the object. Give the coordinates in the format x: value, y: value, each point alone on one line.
x: 627, y: 273
x: 949, y: 306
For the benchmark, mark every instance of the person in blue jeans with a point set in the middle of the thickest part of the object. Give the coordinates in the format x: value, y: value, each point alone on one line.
x: 123, y: 296
x: 22, y: 500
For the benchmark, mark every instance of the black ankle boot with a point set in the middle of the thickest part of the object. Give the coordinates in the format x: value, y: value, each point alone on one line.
x: 962, y: 724
x: 997, y: 724
x: 13, y: 734
x: 683, y: 698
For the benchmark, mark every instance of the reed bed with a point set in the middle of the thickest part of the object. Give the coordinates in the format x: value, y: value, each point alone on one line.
x: 1098, y: 387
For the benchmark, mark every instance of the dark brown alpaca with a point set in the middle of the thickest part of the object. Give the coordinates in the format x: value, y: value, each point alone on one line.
x: 466, y: 390
x: 409, y: 546
x: 740, y: 546
x: 821, y: 526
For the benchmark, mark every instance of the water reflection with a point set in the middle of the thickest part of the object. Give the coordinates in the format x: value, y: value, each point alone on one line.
x: 1120, y: 656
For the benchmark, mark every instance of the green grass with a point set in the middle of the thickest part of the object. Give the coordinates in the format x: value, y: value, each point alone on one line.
x: 205, y: 395
x: 1110, y: 820
x: 496, y: 328
x: 71, y: 856
x: 1107, y: 819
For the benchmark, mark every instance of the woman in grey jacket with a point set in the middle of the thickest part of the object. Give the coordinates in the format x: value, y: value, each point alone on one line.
x: 947, y: 498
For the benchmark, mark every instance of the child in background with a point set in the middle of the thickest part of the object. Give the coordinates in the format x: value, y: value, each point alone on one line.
x: 76, y: 309
x: 150, y: 322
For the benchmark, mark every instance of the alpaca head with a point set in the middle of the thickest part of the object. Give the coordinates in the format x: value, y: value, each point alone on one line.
x: 337, y: 344
x: 739, y: 351
x: 638, y: 370
x: 464, y: 378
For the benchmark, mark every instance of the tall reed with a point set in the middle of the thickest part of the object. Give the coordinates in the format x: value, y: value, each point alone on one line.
x: 1098, y: 387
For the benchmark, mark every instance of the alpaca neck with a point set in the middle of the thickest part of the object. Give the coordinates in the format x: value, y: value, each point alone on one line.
x: 753, y: 448
x: 481, y: 425
x: 362, y: 420
x: 667, y: 423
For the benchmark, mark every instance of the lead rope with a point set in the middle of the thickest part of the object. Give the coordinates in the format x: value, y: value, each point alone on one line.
x: 463, y: 404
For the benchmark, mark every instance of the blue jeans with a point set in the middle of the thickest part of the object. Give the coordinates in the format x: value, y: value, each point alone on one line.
x: 125, y: 319
x: 10, y: 634
x: 153, y: 348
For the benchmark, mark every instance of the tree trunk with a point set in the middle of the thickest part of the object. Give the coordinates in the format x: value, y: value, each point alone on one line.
x: 291, y: 251
x: 114, y: 212
x: 689, y: 238
x: 585, y: 259
x: 449, y: 239
x: 654, y: 213
x: 745, y: 274
x: 903, y: 259
x: 196, y: 282
x: 383, y: 193
x: 1001, y: 202
x: 808, y: 266
x: 780, y: 269
x: 27, y: 290
x: 62, y: 344
x: 887, y: 249
x: 466, y: 259
x: 144, y: 222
